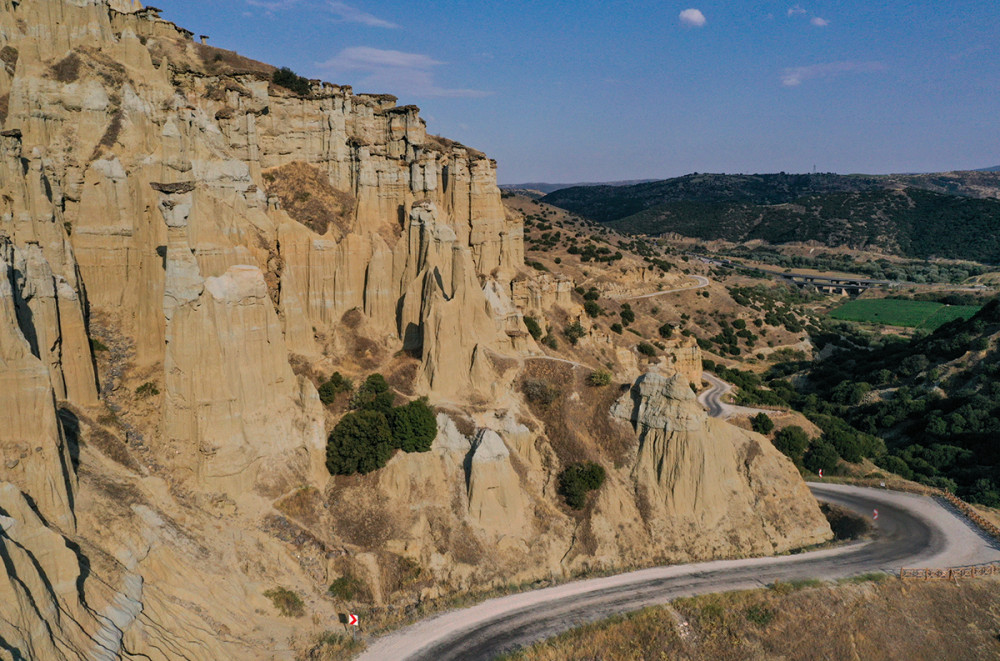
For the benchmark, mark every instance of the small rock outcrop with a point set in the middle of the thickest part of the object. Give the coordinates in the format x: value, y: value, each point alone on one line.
x: 711, y: 485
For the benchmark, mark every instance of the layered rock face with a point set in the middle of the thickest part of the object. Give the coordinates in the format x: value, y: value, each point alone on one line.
x: 711, y: 484
x: 185, y: 249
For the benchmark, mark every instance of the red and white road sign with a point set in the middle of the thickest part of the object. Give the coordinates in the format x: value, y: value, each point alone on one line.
x: 821, y: 473
x: 874, y: 514
x: 352, y: 620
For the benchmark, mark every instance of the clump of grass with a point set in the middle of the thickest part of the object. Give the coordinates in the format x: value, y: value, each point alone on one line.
x: 870, y: 577
x: 96, y: 345
x: 347, y: 587
x: 286, y: 602
x: 147, y: 389
x: 785, y: 587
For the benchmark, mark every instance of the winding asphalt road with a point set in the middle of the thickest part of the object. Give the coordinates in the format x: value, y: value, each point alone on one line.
x: 711, y: 399
x: 911, y: 530
x: 701, y: 282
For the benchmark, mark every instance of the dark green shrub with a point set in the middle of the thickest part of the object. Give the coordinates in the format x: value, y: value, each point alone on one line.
x: 896, y: 465
x: 413, y: 426
x: 627, y: 315
x: 792, y: 442
x: 285, y: 77
x: 539, y: 392
x: 821, y: 456
x: 599, y: 378
x: 360, y: 443
x: 533, y: 328
x: 666, y: 331
x: 593, y: 309
x: 286, y: 602
x: 646, y: 349
x: 574, y: 332
x: 147, y: 389
x: 97, y: 345
x: 347, y: 587
x: 579, y: 479
x: 373, y: 395
x: 334, y: 386
x: 617, y: 328
x: 762, y: 424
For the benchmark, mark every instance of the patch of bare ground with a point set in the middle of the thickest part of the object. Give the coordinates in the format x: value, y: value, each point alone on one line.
x: 874, y: 617
x: 308, y: 197
x: 576, y: 419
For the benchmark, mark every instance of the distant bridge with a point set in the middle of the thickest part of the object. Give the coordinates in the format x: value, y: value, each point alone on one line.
x: 830, y: 284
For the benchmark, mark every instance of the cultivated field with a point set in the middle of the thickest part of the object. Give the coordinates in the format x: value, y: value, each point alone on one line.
x: 926, y: 315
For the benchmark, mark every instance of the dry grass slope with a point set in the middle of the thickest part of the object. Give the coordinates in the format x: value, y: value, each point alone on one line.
x: 883, y: 619
x: 307, y: 196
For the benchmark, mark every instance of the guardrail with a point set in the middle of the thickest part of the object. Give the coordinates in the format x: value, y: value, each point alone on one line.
x: 952, y: 574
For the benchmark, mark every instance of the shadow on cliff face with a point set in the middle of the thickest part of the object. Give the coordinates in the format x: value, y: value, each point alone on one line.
x: 71, y: 428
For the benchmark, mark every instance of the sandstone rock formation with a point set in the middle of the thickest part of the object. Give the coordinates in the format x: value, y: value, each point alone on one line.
x: 168, y: 307
x: 711, y: 484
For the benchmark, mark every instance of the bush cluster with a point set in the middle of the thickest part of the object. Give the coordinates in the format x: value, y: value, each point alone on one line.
x: 577, y: 480
x: 285, y: 77
x: 365, y: 439
x: 286, y: 602
x: 336, y: 384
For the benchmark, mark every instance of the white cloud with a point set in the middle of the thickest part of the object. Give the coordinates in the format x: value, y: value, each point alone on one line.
x: 693, y: 17
x: 795, y: 76
x: 273, y: 5
x: 819, y: 22
x: 400, y: 73
x: 363, y: 57
x: 342, y: 12
x: 796, y: 10
x: 348, y: 14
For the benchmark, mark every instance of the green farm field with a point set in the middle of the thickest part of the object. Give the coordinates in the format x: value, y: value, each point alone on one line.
x: 925, y: 315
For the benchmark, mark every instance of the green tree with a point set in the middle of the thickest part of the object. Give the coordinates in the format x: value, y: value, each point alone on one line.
x: 373, y: 395
x: 533, y: 328
x: 413, y: 426
x: 290, y: 80
x: 360, y: 443
x: 592, y: 309
x: 821, y: 456
x: 336, y: 384
x: 762, y: 424
x: 599, y: 378
x: 646, y: 349
x: 574, y: 332
x: 579, y: 479
x: 627, y: 315
x: 666, y: 331
x: 792, y: 441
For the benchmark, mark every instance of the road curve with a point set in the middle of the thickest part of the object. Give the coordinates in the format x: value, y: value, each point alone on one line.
x: 711, y: 399
x: 702, y: 282
x: 911, y: 531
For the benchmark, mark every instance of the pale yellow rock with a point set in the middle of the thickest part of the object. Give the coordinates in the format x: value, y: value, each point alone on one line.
x: 495, y: 498
x: 33, y: 452
x: 711, y: 484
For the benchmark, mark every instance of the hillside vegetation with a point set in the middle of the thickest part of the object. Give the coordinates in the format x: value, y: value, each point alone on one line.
x: 934, y: 400
x: 916, y: 216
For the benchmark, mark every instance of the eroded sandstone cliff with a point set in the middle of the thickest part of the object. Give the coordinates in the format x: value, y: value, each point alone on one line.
x: 184, y: 247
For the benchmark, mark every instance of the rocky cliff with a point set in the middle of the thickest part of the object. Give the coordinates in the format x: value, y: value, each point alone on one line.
x: 186, y: 249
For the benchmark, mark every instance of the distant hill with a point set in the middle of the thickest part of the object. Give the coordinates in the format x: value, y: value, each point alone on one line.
x: 551, y: 188
x: 995, y: 168
x: 954, y: 215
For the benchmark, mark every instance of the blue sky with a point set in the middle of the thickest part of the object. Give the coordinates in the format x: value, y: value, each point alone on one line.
x: 598, y: 91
